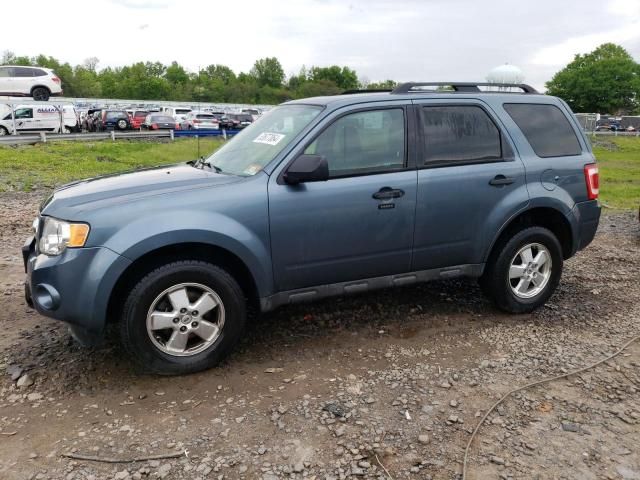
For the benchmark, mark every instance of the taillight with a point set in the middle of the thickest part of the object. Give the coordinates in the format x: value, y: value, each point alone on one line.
x: 55, y: 79
x: 196, y: 121
x: 154, y: 126
x: 592, y: 179
x: 177, y: 126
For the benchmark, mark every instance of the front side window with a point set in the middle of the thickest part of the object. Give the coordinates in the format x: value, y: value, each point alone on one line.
x: 459, y: 134
x: 259, y: 143
x: 547, y: 129
x: 6, y: 72
x: 24, y: 113
x: 363, y: 142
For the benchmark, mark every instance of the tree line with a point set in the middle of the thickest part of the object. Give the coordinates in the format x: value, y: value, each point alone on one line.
x: 265, y: 83
x: 606, y: 80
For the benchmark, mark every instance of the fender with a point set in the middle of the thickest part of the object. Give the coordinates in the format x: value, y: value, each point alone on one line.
x: 539, y: 202
x: 154, y: 231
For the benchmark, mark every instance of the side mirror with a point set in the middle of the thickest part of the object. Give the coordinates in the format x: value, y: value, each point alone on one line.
x: 307, y: 168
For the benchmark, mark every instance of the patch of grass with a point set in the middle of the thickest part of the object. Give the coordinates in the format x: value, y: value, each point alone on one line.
x: 48, y: 165
x: 619, y: 164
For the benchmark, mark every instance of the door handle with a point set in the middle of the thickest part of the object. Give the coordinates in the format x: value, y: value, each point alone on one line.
x: 386, y: 193
x: 500, y: 180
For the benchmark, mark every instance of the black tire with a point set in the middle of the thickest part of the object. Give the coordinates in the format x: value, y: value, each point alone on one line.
x: 122, y: 124
x: 495, y: 280
x: 133, y: 330
x: 3, y: 131
x: 40, y: 94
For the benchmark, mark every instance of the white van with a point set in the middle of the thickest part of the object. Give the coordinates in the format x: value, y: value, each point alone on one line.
x: 178, y: 113
x: 38, y: 118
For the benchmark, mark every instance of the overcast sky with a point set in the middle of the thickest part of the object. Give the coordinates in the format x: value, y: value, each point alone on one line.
x: 401, y: 40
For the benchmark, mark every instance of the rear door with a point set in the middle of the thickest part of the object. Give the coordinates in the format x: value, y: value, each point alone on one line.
x: 470, y: 181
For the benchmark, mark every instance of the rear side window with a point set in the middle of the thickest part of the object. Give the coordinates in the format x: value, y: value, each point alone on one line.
x: 6, y: 72
x: 547, y: 129
x: 37, y: 72
x: 459, y: 134
x: 22, y: 72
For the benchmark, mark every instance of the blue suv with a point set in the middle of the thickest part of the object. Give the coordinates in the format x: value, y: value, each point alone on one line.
x: 320, y: 197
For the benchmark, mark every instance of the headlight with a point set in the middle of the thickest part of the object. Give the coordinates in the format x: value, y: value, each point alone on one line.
x: 58, y: 235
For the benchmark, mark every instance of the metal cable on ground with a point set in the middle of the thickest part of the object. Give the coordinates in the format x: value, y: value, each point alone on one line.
x: 533, y: 384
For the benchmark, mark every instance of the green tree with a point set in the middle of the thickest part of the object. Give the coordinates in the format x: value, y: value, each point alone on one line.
x: 606, y: 80
x: 268, y: 71
x: 343, y: 77
x: 176, y: 74
x: 219, y: 72
x: 385, y: 85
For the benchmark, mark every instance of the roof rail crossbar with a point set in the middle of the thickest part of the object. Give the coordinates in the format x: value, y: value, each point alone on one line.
x: 412, y: 87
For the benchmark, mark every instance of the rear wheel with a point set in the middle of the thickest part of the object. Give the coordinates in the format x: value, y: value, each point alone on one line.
x: 40, y: 94
x: 182, y: 318
x: 121, y: 124
x: 524, y: 270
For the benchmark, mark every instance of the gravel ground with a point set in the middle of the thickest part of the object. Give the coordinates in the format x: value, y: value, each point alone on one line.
x: 384, y: 385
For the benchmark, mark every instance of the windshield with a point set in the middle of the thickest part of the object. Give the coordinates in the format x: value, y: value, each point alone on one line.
x: 252, y: 149
x: 181, y: 111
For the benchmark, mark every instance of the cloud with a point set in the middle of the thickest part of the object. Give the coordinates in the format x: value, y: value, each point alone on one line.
x: 380, y: 39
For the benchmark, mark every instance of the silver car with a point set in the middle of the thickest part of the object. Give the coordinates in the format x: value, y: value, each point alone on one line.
x: 200, y: 121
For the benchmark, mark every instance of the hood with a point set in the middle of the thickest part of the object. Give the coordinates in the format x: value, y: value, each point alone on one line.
x: 126, y: 187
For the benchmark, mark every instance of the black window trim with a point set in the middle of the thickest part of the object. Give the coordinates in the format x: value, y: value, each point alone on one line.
x: 408, y: 139
x: 569, y: 122
x: 506, y: 149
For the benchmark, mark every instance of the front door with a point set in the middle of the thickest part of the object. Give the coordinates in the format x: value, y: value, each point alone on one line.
x: 470, y: 181
x: 359, y: 223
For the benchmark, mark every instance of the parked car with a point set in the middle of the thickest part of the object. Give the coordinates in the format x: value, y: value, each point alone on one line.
x: 115, y: 119
x: 178, y: 113
x: 39, y: 118
x: 254, y: 112
x: 160, y: 121
x: 324, y: 196
x: 199, y: 121
x: 137, y: 118
x: 37, y: 82
x: 235, y: 121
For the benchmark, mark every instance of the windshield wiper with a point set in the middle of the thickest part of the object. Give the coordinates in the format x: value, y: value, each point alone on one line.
x: 211, y: 165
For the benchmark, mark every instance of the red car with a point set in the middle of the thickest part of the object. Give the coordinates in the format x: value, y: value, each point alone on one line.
x: 137, y: 118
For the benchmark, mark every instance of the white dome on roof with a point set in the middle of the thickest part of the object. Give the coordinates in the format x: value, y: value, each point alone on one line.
x: 505, y: 74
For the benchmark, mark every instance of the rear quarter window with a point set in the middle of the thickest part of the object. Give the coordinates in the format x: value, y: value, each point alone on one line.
x: 546, y: 128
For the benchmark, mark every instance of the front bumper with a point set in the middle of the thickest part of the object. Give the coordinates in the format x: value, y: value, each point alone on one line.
x: 73, y: 287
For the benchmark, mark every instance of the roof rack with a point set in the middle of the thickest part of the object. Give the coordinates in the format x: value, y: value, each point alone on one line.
x: 413, y: 87
x: 371, y: 90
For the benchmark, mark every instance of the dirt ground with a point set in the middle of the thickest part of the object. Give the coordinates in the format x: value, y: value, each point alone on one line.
x: 384, y: 385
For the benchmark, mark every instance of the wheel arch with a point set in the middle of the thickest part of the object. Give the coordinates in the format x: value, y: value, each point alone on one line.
x: 40, y: 86
x: 157, y: 257
x: 544, y: 216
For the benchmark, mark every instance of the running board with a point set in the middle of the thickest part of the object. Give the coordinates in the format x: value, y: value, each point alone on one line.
x: 309, y: 294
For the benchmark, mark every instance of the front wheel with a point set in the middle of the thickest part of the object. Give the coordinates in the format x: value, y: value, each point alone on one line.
x: 182, y: 318
x: 524, y: 270
x: 3, y: 131
x: 121, y: 124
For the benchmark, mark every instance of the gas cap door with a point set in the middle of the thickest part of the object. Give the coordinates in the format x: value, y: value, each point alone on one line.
x: 549, y: 179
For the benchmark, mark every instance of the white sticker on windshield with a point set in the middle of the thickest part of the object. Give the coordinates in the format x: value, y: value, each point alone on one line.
x: 269, y: 138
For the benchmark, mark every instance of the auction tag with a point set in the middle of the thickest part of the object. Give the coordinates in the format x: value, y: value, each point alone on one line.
x: 269, y: 138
